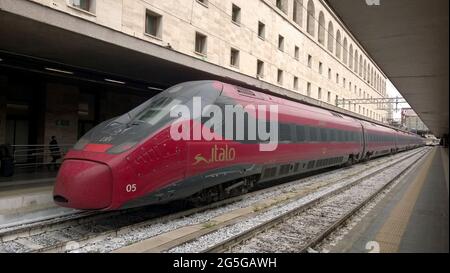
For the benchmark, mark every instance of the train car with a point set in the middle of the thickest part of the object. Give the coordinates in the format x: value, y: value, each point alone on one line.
x: 406, y: 141
x: 135, y: 160
x: 379, y: 140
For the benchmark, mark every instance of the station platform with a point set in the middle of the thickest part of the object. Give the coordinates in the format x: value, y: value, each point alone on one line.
x: 27, y: 180
x: 411, y: 218
x: 26, y: 196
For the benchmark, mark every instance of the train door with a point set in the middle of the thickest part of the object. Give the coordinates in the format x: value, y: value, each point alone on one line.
x: 363, y: 142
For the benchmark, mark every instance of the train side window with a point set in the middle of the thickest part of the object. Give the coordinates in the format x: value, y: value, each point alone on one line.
x: 313, y: 134
x: 323, y: 134
x: 332, y: 135
x: 307, y: 134
x: 301, y: 133
x: 285, y: 132
x: 338, y: 136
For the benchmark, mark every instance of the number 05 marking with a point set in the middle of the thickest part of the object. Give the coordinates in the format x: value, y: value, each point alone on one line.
x: 131, y: 188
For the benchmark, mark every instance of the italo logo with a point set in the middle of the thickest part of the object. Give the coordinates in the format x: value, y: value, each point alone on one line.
x: 218, y: 154
x: 227, y: 122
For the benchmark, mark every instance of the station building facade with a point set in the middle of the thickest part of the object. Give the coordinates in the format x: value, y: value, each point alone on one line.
x: 297, y: 45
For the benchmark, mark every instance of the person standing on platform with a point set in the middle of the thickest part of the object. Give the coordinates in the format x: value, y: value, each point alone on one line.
x: 55, y: 153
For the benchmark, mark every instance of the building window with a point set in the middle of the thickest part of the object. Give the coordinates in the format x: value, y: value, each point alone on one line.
x: 297, y: 53
x: 309, y: 61
x: 260, y: 69
x: 329, y: 73
x: 338, y: 44
x: 322, y: 31
x: 337, y: 98
x: 236, y: 14
x: 86, y: 5
x: 320, y: 68
x: 330, y: 37
x: 337, y: 78
x: 203, y: 2
x: 282, y: 5
x: 234, y: 58
x: 261, y: 30
x: 280, y: 42
x: 329, y: 97
x: 319, y: 93
x: 153, y: 24
x: 280, y: 77
x: 310, y: 20
x: 298, y: 12
x: 295, y: 83
x: 308, y: 89
x: 200, y: 43
x: 344, y: 83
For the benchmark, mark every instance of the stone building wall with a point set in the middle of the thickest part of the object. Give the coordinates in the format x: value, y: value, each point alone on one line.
x: 181, y: 19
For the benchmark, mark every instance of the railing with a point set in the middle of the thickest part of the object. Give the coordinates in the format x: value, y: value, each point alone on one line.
x: 34, y: 156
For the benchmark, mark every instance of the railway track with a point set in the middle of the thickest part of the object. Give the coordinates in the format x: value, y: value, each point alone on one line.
x: 302, y: 228
x: 87, y: 230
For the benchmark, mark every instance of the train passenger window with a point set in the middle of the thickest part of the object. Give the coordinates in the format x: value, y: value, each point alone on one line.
x: 338, y: 136
x: 347, y: 136
x: 323, y: 134
x: 301, y: 133
x: 285, y: 132
x: 313, y: 134
x: 332, y: 135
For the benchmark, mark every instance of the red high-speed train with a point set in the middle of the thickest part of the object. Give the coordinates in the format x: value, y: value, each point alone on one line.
x: 133, y: 161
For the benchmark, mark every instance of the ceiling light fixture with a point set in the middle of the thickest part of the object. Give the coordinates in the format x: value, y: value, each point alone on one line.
x: 114, y: 81
x: 59, y: 71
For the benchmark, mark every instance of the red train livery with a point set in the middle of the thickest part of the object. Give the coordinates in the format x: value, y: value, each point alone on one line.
x: 133, y: 161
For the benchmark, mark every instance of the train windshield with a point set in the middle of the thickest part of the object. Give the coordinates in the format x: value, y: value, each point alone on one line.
x: 126, y: 131
x: 157, y: 110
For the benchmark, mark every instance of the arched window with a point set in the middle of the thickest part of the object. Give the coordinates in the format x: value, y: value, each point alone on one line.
x: 360, y: 68
x: 330, y: 36
x: 321, y: 28
x: 298, y: 12
x: 378, y: 82
x: 338, y: 44
x: 350, y: 60
x: 356, y: 62
x: 345, y: 51
x: 310, y: 24
x: 365, y: 70
x: 372, y: 76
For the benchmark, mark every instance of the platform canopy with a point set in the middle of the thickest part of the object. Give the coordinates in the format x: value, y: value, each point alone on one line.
x: 409, y: 41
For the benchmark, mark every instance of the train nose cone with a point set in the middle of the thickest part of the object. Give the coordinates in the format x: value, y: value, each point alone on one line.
x: 83, y: 185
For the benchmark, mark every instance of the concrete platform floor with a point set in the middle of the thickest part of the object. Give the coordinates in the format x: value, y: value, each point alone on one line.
x: 412, y: 218
x: 28, y: 197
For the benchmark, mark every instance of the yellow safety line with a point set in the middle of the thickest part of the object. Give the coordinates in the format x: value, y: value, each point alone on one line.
x: 391, y: 233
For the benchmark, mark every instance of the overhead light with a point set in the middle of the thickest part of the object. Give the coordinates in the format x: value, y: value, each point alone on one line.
x: 114, y: 81
x: 59, y: 71
x: 155, y: 88
x: 1, y: 60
